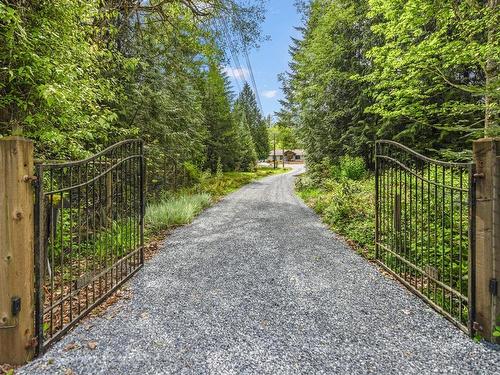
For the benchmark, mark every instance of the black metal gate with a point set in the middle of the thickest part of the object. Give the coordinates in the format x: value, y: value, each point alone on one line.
x: 424, y: 226
x: 88, y: 234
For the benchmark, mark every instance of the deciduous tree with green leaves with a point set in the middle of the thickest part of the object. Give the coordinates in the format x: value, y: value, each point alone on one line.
x: 435, y: 77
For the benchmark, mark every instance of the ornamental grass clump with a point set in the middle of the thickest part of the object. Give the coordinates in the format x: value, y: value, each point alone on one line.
x: 176, y: 210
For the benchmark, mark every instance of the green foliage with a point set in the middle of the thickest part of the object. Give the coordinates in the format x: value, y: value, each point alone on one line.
x: 194, y: 174
x: 222, y: 145
x: 77, y: 76
x: 247, y: 156
x: 324, y: 97
x: 423, y: 73
x: 285, y: 137
x: 52, y: 83
x: 496, y: 332
x: 431, y: 68
x: 175, y: 210
x: 346, y: 205
x: 349, y: 168
x: 247, y: 106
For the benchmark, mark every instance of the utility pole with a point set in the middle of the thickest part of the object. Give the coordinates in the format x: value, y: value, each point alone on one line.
x: 283, y: 155
x: 274, y: 159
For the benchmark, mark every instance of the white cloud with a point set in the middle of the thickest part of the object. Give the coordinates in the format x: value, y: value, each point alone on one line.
x: 270, y: 93
x: 236, y: 73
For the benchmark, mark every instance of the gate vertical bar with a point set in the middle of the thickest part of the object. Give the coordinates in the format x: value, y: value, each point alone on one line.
x: 377, y: 219
x: 39, y: 258
x: 472, y: 250
x: 142, y: 173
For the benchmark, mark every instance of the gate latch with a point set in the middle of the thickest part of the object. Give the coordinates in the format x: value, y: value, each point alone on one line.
x: 16, y: 305
x: 494, y: 287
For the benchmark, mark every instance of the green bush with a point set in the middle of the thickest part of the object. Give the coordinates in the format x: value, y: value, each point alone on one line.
x: 346, y: 205
x: 350, y: 168
x: 194, y: 174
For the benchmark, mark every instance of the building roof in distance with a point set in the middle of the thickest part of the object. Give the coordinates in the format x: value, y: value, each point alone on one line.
x: 280, y: 152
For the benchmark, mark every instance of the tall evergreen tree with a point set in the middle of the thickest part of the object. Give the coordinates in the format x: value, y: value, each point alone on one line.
x: 258, y: 127
x: 323, y: 93
x: 247, y: 156
x: 222, y: 145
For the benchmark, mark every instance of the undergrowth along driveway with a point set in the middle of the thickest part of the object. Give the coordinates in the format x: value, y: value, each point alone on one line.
x: 258, y: 285
x: 172, y: 209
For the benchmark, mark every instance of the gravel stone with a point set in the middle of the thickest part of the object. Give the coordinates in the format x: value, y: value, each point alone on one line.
x: 258, y: 285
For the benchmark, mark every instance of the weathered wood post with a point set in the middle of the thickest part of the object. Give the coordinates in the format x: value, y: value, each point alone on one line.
x: 487, y: 236
x: 16, y: 251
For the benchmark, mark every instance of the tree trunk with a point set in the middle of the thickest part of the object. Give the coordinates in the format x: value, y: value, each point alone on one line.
x: 491, y: 75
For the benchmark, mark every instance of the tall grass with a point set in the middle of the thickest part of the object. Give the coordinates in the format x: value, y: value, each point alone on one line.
x: 175, y: 210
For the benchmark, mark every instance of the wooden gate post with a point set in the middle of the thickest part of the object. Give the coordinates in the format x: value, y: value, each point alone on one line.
x: 16, y: 251
x: 487, y: 236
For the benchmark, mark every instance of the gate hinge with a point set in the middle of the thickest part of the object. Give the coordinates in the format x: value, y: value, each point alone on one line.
x: 32, y: 343
x: 494, y: 287
x: 478, y: 175
x: 476, y: 327
x: 31, y: 179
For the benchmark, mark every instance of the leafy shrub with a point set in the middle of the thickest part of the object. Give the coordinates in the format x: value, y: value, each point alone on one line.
x: 346, y: 205
x: 351, y: 211
x: 318, y: 172
x: 194, y: 174
x: 351, y: 168
x: 304, y: 182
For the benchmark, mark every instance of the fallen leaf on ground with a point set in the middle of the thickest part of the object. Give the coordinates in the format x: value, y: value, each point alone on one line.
x: 69, y: 347
x: 92, y: 345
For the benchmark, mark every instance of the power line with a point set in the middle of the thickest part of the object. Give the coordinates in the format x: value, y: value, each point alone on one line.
x: 234, y: 54
x: 249, y: 65
x: 250, y: 70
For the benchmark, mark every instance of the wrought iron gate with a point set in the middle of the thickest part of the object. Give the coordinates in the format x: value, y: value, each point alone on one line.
x: 88, y: 234
x: 424, y: 226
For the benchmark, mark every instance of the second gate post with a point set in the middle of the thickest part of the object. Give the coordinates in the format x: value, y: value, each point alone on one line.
x: 486, y: 259
x: 16, y: 251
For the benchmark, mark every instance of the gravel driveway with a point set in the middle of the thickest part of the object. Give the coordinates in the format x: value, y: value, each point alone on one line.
x: 257, y: 285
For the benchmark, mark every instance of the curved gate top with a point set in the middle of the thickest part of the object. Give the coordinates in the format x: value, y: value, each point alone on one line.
x: 88, y: 234
x: 424, y: 227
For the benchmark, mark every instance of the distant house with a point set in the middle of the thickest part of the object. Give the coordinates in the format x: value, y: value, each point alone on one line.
x: 291, y: 156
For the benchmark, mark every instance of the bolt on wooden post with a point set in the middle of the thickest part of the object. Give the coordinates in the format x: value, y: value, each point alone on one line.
x: 486, y: 261
x: 16, y: 251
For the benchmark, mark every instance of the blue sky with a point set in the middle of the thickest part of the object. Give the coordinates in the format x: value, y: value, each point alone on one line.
x: 272, y: 57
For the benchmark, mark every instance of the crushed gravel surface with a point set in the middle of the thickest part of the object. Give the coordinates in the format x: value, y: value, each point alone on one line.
x: 258, y: 285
